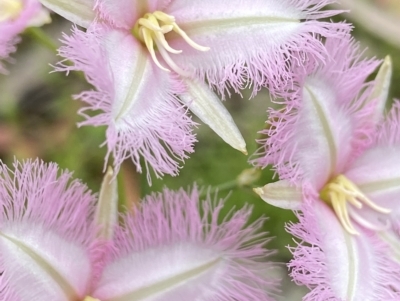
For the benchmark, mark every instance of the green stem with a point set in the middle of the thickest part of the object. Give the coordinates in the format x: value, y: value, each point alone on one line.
x: 39, y: 35
x: 222, y: 187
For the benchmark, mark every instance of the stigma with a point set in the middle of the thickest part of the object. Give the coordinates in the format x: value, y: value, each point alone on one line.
x: 340, y: 192
x: 151, y: 30
x: 10, y: 9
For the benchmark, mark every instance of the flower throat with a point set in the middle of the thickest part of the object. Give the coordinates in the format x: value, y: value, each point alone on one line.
x: 10, y: 9
x: 151, y: 30
x: 340, y: 191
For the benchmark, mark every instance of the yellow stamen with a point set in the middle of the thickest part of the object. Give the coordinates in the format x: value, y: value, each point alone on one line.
x: 151, y: 30
x: 340, y: 191
x: 10, y: 9
x: 88, y: 298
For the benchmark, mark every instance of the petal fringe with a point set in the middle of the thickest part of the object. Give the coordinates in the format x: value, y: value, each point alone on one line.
x: 173, y: 234
x: 155, y: 128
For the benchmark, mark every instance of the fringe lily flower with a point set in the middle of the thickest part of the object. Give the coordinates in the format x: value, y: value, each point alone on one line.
x: 147, y: 59
x: 338, y: 158
x: 336, y: 265
x: 57, y: 244
x: 321, y: 138
x: 15, y: 16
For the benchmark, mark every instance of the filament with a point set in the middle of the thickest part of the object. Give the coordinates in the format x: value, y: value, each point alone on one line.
x: 339, y: 193
x: 151, y: 30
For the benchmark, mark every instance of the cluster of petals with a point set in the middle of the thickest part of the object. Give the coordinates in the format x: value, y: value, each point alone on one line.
x: 149, y: 60
x: 338, y: 158
x: 58, y: 242
x: 15, y: 17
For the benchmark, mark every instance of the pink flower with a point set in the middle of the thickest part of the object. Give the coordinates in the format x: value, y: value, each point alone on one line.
x: 15, y: 16
x: 56, y: 245
x: 338, y: 266
x: 166, y: 49
x: 338, y: 158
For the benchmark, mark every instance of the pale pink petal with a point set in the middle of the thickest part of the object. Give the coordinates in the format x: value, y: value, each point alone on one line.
x: 252, y: 40
x: 40, y: 264
x: 313, y: 136
x: 391, y: 238
x: 168, y: 250
x: 377, y: 174
x: 316, y: 140
x: 134, y: 98
x: 46, y: 231
x: 335, y: 265
x: 125, y: 13
x: 79, y: 12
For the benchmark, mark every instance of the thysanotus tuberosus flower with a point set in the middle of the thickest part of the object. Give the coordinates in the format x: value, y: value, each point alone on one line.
x: 149, y: 59
x: 338, y: 158
x: 57, y: 244
x: 15, y: 16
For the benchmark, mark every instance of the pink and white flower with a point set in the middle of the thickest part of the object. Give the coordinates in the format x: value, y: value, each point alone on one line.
x: 336, y: 265
x: 15, y: 16
x: 148, y: 60
x: 57, y: 244
x: 338, y: 157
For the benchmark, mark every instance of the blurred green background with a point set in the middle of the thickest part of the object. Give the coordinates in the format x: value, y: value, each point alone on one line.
x: 38, y: 119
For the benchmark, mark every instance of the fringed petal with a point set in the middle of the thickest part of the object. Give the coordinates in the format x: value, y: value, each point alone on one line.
x: 335, y: 265
x: 121, y: 15
x: 250, y: 40
x: 391, y: 237
x: 312, y: 136
x: 377, y: 174
x: 79, y: 12
x: 127, y: 12
x: 46, y: 230
x: 376, y: 171
x: 168, y: 250
x: 136, y: 100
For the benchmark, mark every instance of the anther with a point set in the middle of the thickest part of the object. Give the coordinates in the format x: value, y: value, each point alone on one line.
x: 341, y: 191
x: 151, y: 30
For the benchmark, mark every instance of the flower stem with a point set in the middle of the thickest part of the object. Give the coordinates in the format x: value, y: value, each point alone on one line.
x: 39, y: 35
x: 222, y: 187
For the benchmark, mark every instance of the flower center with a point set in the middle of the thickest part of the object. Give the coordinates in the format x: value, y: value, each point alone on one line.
x: 88, y: 298
x: 10, y: 9
x: 151, y: 30
x: 340, y: 191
